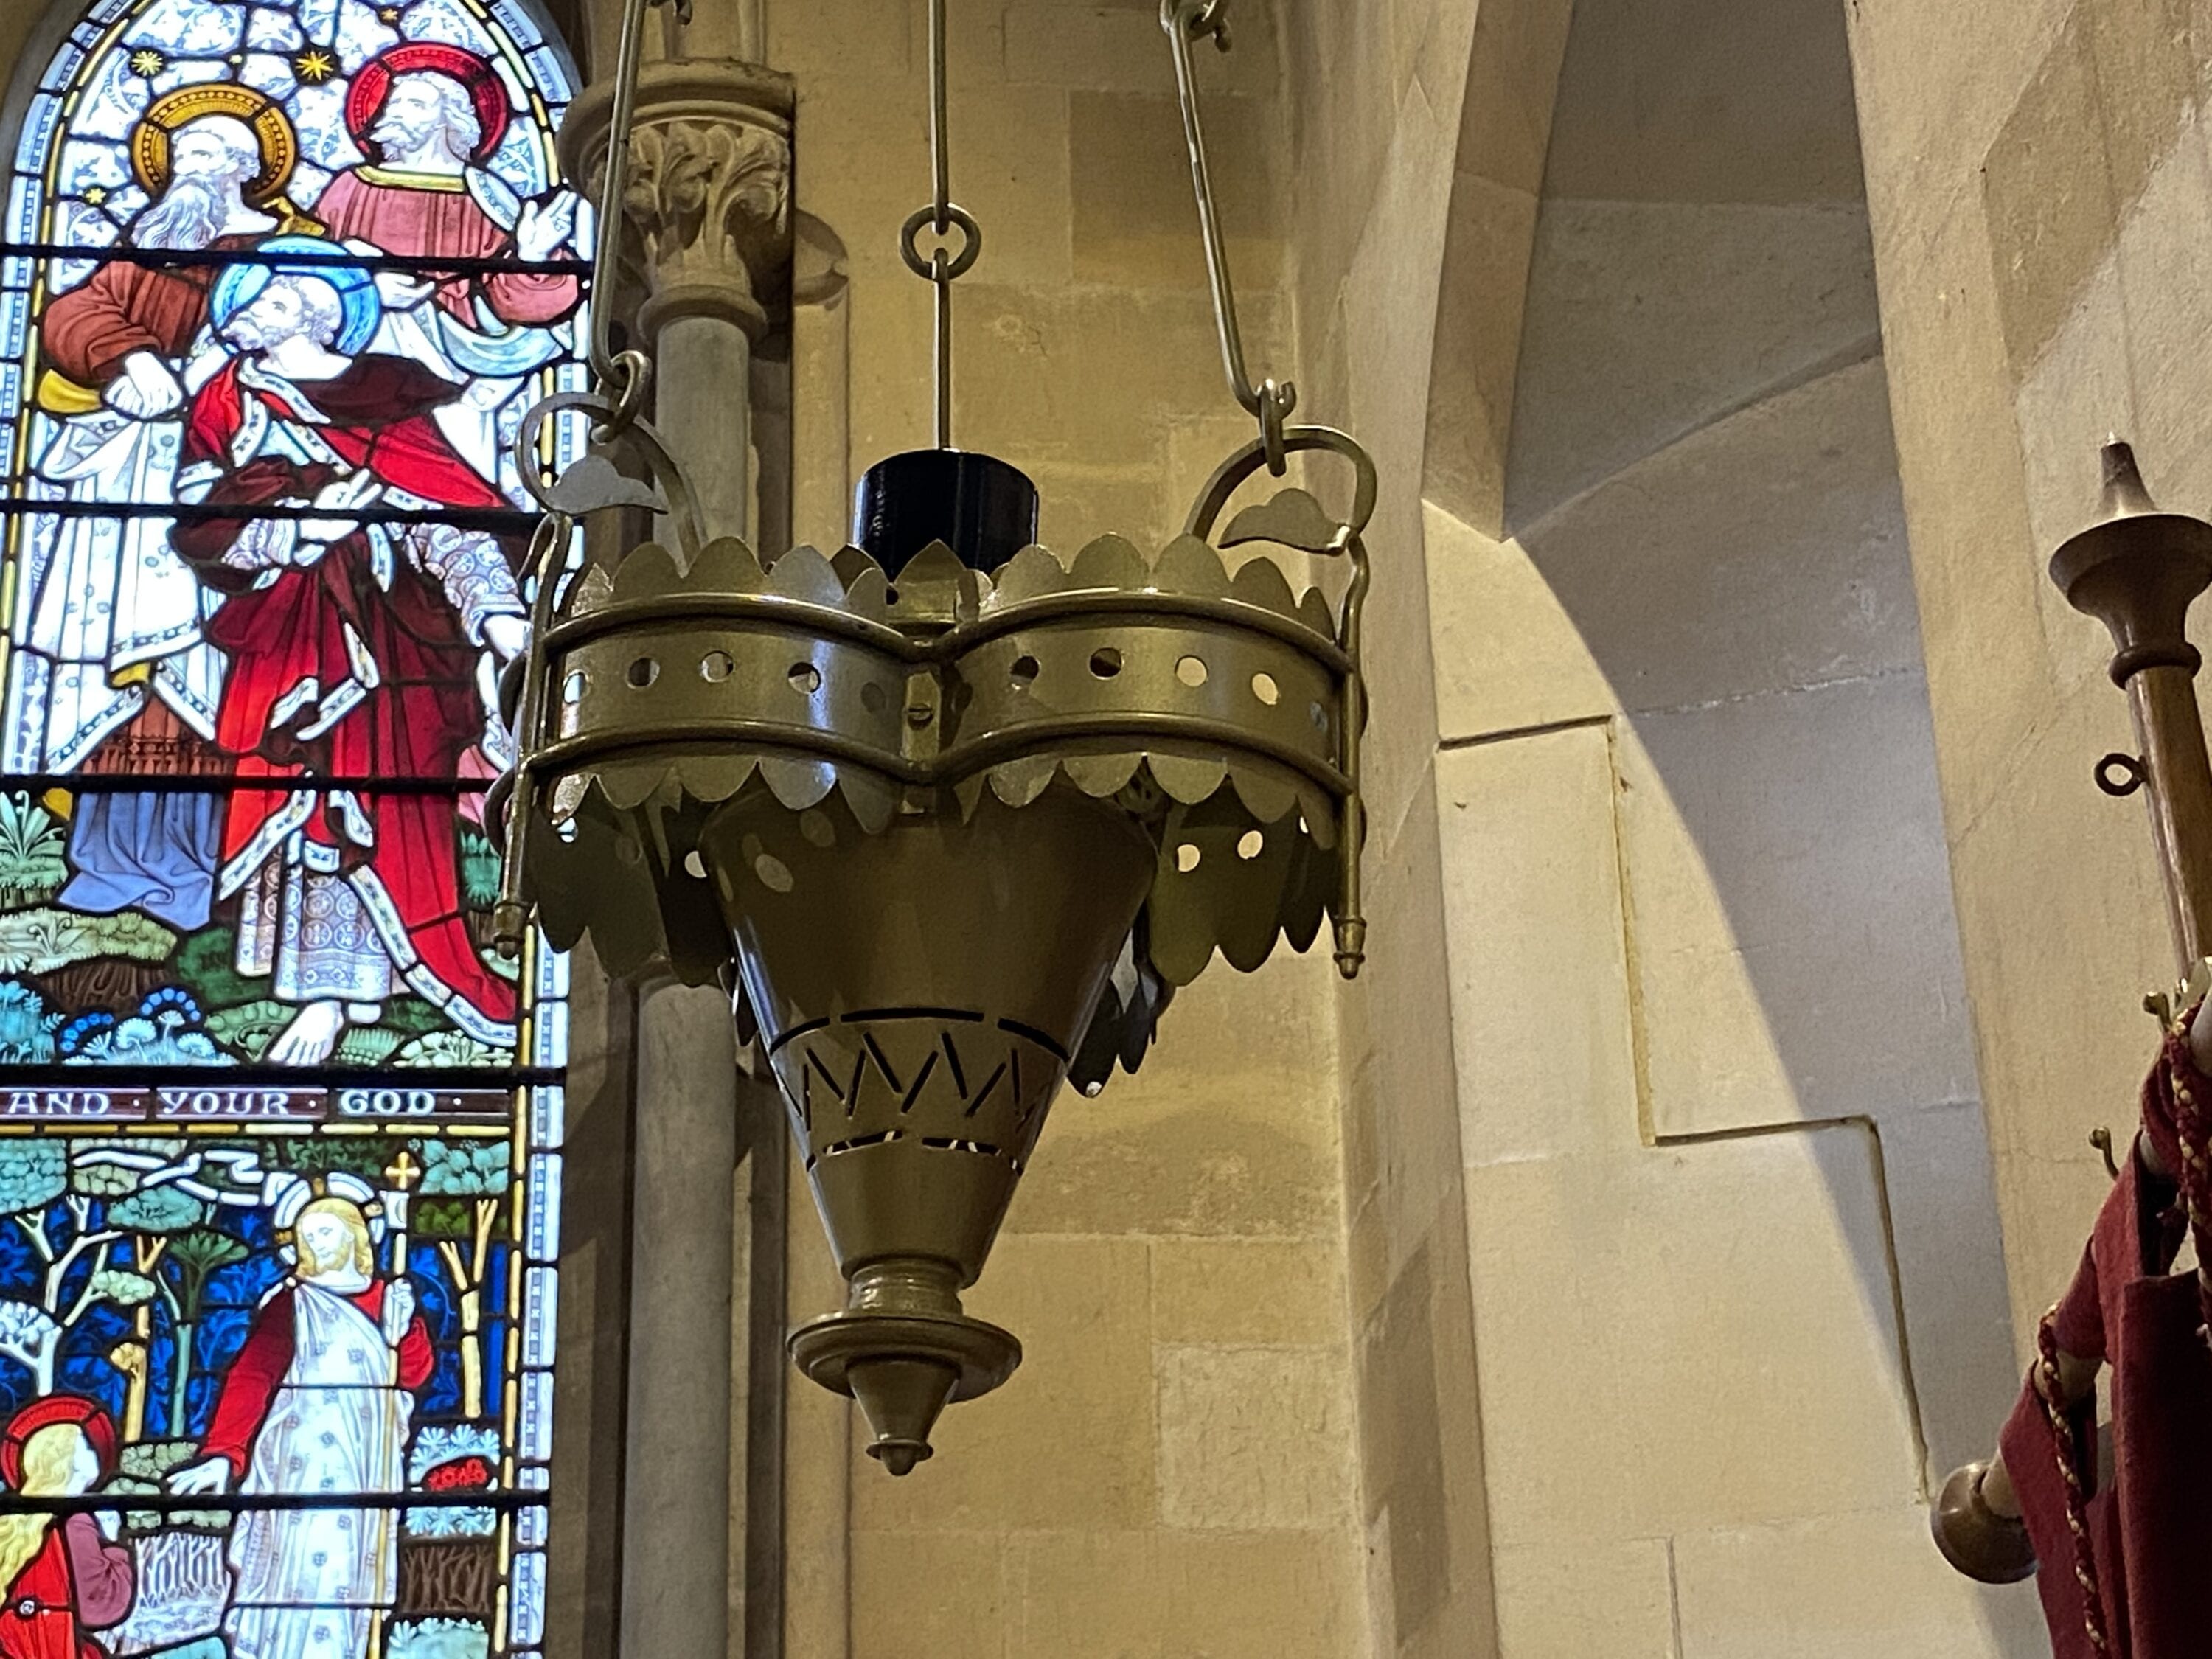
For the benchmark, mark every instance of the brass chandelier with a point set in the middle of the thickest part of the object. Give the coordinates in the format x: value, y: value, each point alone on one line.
x: 949, y: 817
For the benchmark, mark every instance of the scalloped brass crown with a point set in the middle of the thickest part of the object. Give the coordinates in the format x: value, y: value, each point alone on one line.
x: 949, y: 838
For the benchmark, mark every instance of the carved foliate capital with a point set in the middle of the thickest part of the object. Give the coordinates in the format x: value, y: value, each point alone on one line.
x: 707, y: 205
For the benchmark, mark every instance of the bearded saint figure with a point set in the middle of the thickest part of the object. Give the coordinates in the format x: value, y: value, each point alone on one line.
x: 110, y: 624
x: 319, y: 1399
x: 352, y: 654
x: 429, y: 115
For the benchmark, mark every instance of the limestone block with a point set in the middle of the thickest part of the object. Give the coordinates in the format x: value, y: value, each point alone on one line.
x: 1247, y: 1291
x: 1959, y: 456
x: 2048, y: 196
x: 1121, y: 48
x: 1842, y: 1587
x: 1485, y: 285
x: 1423, y: 1494
x: 2163, y: 244
x: 1230, y: 1128
x: 1077, y: 504
x: 1610, y: 1600
x: 1268, y: 1596
x: 1169, y: 1595
x: 1389, y: 333
x: 1009, y: 170
x: 1091, y: 374
x: 1539, y: 975
x: 1647, y: 320
x: 1695, y: 1337
x: 2060, y: 904
x: 1951, y: 1278
x: 1255, y: 1439
x: 1343, y: 112
x: 893, y: 398
x: 1508, y: 655
x: 1512, y: 81
x: 1934, y: 84
x: 919, y: 1595
x: 1762, y: 552
x: 1663, y: 103
x: 1402, y: 1151
x: 1135, y: 223
x: 1082, y: 1403
x: 2074, y: 396
x: 1793, y: 938
x: 852, y: 39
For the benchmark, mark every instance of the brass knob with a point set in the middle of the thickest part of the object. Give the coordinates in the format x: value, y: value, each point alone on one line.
x: 1975, y: 1539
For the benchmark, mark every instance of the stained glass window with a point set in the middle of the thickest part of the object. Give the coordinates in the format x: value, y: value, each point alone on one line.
x: 279, y: 1132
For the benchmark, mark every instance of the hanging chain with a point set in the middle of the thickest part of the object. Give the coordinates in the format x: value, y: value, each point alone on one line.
x: 940, y: 216
x: 1185, y: 22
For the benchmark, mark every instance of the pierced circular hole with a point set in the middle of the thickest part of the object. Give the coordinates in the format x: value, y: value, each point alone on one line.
x: 1105, y: 662
x: 566, y: 830
x: 1024, y: 672
x: 805, y: 679
x: 775, y: 873
x: 1251, y: 844
x: 1191, y: 671
x: 891, y: 596
x: 715, y: 667
x: 1265, y: 688
x: 694, y: 865
x: 643, y: 673
x: 1186, y: 857
x: 873, y: 697
x: 572, y: 688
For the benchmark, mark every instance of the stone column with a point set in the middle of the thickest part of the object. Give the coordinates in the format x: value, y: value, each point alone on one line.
x: 709, y: 240
x: 818, y: 1425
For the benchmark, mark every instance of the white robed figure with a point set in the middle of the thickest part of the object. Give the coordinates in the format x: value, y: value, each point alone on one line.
x: 109, y: 615
x: 320, y: 1400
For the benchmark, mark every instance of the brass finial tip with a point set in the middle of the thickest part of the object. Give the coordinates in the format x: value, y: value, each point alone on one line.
x: 2124, y: 492
x: 900, y: 1457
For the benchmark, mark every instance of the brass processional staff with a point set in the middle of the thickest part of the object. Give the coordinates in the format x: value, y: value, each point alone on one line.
x: 2137, y: 569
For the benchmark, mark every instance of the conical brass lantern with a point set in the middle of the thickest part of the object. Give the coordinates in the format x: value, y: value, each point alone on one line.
x: 949, y: 817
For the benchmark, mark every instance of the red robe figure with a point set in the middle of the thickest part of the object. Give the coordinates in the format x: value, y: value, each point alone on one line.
x: 429, y: 115
x: 61, y: 1576
x: 352, y: 654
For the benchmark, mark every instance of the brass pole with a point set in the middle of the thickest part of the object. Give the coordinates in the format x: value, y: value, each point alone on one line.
x: 2137, y: 570
x: 2179, y: 780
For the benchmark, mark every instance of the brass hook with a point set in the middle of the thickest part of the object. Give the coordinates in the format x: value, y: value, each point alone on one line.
x: 2101, y: 1138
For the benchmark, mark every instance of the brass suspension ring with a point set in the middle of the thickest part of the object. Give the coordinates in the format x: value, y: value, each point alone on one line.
x: 937, y: 268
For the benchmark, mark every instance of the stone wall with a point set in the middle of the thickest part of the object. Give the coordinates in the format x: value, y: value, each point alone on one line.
x: 1171, y: 1472
x: 1665, y: 770
x: 2042, y: 208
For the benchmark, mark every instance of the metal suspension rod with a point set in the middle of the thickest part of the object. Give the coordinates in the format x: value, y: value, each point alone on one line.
x: 941, y: 215
x: 1272, y: 400
x: 630, y: 371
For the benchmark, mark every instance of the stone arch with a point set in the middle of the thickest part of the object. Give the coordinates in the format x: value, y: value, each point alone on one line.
x: 1672, y: 616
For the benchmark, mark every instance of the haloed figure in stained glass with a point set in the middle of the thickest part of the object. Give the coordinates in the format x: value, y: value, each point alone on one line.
x: 319, y: 1399
x: 427, y: 115
x: 111, y: 618
x: 350, y: 652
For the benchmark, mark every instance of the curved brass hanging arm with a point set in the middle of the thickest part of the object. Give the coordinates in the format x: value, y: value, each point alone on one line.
x: 1272, y: 400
